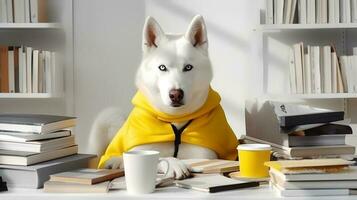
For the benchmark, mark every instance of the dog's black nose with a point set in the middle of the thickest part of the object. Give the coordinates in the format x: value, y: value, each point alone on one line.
x: 176, y: 95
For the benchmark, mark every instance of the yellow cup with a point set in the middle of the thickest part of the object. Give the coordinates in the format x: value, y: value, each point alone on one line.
x: 252, y: 158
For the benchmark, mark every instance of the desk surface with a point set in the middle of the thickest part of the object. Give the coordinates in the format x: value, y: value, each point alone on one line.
x: 171, y: 193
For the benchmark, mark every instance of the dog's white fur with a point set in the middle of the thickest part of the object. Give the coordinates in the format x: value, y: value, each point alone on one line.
x: 175, y: 52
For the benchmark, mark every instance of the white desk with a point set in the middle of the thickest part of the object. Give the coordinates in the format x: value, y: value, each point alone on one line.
x: 168, y: 193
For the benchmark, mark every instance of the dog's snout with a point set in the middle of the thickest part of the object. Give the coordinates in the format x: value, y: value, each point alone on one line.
x: 176, y: 95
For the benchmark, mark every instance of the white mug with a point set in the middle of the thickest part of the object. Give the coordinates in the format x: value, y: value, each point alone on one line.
x: 140, y: 168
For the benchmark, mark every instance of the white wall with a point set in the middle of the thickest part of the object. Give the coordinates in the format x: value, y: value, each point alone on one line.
x: 107, y: 51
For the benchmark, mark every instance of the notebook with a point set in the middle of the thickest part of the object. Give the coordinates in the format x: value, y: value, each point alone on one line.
x: 214, y: 183
x: 211, y: 166
x: 63, y: 187
x: 87, y: 176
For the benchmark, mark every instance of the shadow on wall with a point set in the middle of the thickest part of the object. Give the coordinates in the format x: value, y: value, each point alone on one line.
x: 223, y: 33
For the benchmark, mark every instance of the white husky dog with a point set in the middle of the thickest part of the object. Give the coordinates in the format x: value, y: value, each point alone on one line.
x: 175, y: 75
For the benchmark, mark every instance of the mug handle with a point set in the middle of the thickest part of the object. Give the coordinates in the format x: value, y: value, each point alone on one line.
x: 164, y: 180
x: 167, y: 163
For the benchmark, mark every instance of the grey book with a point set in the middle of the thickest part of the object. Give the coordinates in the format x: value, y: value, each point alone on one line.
x: 34, y: 176
x: 35, y: 123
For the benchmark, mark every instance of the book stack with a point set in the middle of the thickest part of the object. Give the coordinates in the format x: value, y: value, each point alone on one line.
x: 27, y: 141
x: 82, y: 181
x: 23, y: 11
x: 310, y: 11
x: 316, y: 69
x: 317, y: 177
x: 27, y: 70
x: 297, y: 131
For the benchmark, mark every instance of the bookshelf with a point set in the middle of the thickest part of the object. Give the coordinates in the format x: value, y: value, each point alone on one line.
x: 302, y: 27
x: 55, y: 36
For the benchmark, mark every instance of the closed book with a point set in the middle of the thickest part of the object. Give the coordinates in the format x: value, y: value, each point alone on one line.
x: 27, y: 11
x: 319, y: 11
x: 3, y: 11
x: 16, y: 66
x: 331, y: 12
x: 35, y: 57
x: 346, y: 72
x: 87, y: 176
x: 276, y: 178
x: 63, y: 187
x: 336, y: 7
x: 334, y: 61
x: 298, y: 58
x: 269, y: 12
x: 28, y: 158
x: 4, y: 70
x: 34, y: 11
x: 295, y: 114
x: 35, y: 123
x: 307, y: 74
x: 329, y: 129
x: 308, y: 193
x: 305, y: 152
x: 29, y: 69
x: 11, y: 64
x: 279, y: 11
x: 311, y: 12
x: 48, y: 72
x: 22, y: 70
x: 287, y: 11
x: 354, y: 11
x: 26, y: 137
x: 41, y: 72
x: 316, y: 68
x: 19, y: 11
x: 345, y: 11
x: 9, y: 11
x: 214, y: 183
x: 292, y: 76
x: 302, y: 11
x: 39, y: 146
x: 293, y: 16
x: 211, y: 165
x: 326, y: 69
x: 321, y: 140
x: 35, y: 175
x: 281, y: 165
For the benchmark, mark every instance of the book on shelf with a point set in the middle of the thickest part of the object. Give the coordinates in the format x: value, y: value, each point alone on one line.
x: 39, y: 146
x: 214, y: 183
x: 34, y: 176
x: 87, y: 176
x: 4, y: 69
x: 35, y: 123
x: 269, y: 13
x: 25, y: 11
x: 207, y: 166
x: 64, y: 187
x: 8, y: 157
x: 27, y: 137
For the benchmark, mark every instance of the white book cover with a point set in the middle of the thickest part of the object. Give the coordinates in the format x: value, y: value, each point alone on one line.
x: 269, y: 17
x: 34, y: 11
x: 324, y: 12
x: 316, y: 63
x: 312, y: 68
x: 340, y: 86
x: 35, y: 71
x: 331, y: 11
x: 354, y: 71
x: 350, y: 77
x: 311, y: 12
x: 3, y: 13
x: 345, y: 11
x: 19, y: 11
x: 279, y: 11
x: 334, y: 72
x: 319, y: 11
x: 302, y: 11
x: 48, y: 71
x: 354, y: 11
x: 27, y: 11
x: 337, y: 11
x: 11, y: 74
x: 354, y: 50
x: 326, y: 69
x: 29, y: 69
x: 287, y: 11
x: 22, y: 70
x: 55, y: 73
x: 298, y: 52
x: 307, y: 74
x: 345, y: 71
x: 292, y: 72
x: 293, y: 11
x: 308, y: 193
x: 9, y: 11
x: 41, y: 71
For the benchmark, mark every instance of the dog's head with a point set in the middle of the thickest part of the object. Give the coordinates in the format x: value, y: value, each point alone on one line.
x: 175, y: 72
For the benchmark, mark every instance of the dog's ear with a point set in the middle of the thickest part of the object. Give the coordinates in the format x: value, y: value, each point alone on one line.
x: 152, y: 34
x: 196, y: 32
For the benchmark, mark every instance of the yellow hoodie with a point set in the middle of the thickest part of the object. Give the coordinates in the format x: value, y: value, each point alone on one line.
x: 209, y: 128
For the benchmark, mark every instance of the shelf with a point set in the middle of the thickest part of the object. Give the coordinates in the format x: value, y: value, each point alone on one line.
x: 5, y: 26
x: 27, y: 95
x: 314, y: 96
x: 287, y: 27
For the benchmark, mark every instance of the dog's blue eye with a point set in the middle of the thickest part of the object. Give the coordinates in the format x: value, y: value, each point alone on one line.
x: 187, y: 68
x: 162, y: 68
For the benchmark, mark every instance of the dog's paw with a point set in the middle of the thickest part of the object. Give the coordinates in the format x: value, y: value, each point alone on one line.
x: 177, y: 168
x: 115, y: 162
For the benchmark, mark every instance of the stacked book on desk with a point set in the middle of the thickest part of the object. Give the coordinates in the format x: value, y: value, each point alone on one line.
x: 316, y: 177
x: 31, y: 147
x: 82, y: 181
x: 297, y: 131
